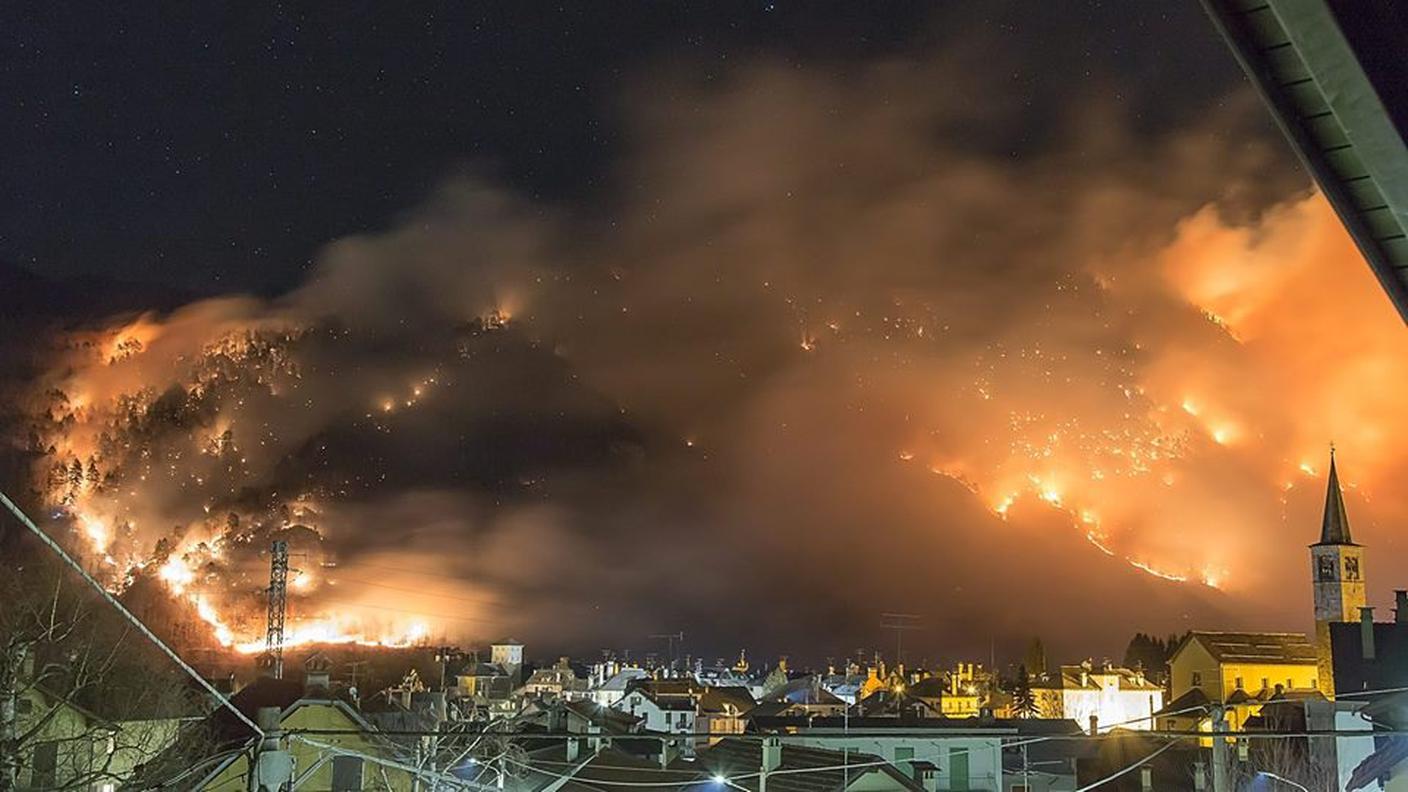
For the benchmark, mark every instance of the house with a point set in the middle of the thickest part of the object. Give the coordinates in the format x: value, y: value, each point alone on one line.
x: 741, y: 761
x: 291, y: 706
x: 846, y: 687
x: 962, y: 699
x: 611, y: 684
x: 931, y: 690
x: 1105, y: 695
x: 894, y: 704
x: 952, y: 753
x: 67, y: 742
x: 559, y: 681
x: 69, y: 745
x: 1241, y: 670
x: 723, y: 711
x: 660, y: 713
x: 482, y: 682
x: 723, y: 676
x: 804, y: 695
x: 508, y: 655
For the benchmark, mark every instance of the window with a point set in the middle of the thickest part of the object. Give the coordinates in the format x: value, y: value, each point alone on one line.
x: 1265, y: 683
x: 346, y: 774
x: 46, y: 763
x: 1327, y: 569
x: 1239, y: 685
x: 1197, y: 679
x: 904, y: 754
x: 1351, y: 568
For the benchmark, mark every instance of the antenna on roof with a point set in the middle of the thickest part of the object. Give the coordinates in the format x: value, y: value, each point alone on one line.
x: 671, y: 640
x: 900, y: 623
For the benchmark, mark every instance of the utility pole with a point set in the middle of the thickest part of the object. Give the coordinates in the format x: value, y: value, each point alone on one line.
x: 1221, y: 770
x: 278, y: 605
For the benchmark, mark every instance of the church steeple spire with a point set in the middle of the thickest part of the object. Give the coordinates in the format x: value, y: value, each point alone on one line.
x: 1337, y: 572
x: 1334, y: 527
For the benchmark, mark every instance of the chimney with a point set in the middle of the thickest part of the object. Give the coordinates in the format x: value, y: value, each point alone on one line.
x: 772, y: 754
x: 1400, y: 606
x: 574, y: 748
x: 317, y: 676
x: 1366, y: 632
x: 1094, y: 725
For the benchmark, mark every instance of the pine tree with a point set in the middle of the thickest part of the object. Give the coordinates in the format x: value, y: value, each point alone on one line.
x: 1023, y: 702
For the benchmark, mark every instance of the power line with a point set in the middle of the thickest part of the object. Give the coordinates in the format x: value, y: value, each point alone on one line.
x: 136, y: 622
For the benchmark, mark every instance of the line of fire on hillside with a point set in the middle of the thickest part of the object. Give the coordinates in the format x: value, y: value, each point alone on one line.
x: 1205, y: 710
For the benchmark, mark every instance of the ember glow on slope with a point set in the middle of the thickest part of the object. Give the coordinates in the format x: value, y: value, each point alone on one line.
x: 1126, y: 359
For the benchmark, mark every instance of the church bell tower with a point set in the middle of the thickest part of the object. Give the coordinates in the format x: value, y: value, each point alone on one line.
x: 1337, y: 569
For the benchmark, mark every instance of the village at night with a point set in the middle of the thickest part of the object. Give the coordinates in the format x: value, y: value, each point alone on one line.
x: 766, y: 396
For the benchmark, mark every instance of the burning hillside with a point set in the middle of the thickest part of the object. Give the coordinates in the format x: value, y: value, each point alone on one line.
x: 820, y: 347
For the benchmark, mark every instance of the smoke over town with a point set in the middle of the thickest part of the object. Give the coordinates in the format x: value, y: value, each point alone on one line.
x: 811, y: 359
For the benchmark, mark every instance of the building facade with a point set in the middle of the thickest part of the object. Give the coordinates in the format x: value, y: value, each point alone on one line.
x: 1113, y: 697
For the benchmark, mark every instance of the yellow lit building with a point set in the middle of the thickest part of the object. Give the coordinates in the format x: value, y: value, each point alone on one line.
x: 961, y: 699
x: 1239, y: 670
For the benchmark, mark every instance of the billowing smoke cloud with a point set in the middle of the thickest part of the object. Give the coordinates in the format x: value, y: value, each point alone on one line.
x: 820, y: 358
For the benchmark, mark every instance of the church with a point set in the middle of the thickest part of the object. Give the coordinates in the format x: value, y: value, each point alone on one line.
x: 1354, y: 653
x: 1348, y: 655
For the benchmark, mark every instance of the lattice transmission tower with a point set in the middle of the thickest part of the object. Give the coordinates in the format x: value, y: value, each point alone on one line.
x: 278, y: 606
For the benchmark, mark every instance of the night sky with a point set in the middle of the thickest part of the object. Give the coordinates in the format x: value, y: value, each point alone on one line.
x: 218, y: 149
x: 591, y: 322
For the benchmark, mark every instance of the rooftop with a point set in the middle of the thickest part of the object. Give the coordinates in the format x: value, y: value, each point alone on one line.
x: 1273, y: 648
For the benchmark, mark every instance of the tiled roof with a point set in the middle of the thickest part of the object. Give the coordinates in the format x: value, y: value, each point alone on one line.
x: 1257, y: 647
x: 1076, y: 677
